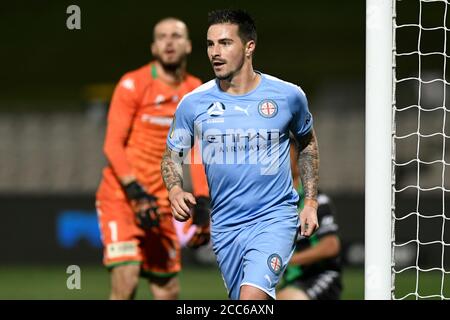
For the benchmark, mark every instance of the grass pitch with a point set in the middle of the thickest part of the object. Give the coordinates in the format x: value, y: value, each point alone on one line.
x: 197, y: 283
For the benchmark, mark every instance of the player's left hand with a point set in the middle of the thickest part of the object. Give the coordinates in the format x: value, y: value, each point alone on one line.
x: 181, y: 203
x: 308, y: 218
x: 146, y: 212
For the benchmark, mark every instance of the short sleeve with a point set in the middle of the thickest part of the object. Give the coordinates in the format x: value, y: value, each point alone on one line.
x: 302, y: 120
x: 181, y: 133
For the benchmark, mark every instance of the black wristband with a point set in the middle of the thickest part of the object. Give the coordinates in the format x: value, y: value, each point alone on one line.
x: 134, y: 191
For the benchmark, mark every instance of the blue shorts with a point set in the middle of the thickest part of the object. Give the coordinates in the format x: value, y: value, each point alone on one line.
x: 255, y: 255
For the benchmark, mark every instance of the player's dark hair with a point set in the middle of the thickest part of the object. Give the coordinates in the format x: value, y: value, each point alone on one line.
x: 246, y: 24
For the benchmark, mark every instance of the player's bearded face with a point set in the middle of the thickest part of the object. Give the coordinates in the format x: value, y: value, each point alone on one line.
x: 171, y: 44
x: 226, y: 51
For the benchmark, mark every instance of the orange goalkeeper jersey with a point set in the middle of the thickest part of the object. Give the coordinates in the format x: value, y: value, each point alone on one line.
x: 139, y: 118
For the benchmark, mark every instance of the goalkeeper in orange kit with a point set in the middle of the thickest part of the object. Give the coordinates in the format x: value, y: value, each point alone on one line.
x: 134, y: 213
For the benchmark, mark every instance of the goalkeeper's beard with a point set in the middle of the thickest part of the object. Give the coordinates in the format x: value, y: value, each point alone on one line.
x: 172, y: 67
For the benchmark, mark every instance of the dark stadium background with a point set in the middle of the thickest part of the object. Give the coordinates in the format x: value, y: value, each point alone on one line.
x: 55, y: 86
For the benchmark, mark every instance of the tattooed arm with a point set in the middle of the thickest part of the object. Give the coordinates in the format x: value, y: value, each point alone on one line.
x: 172, y: 173
x: 308, y: 163
x: 171, y: 169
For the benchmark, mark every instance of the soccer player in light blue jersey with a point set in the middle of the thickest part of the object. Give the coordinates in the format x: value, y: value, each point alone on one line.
x: 242, y: 121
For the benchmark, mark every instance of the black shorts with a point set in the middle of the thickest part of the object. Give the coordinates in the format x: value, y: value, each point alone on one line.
x: 324, y: 286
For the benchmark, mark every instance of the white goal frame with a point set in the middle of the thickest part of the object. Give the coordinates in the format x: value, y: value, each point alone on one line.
x: 379, y: 180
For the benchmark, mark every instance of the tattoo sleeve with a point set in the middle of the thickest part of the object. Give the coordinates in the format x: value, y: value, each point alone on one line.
x: 308, y: 162
x: 172, y: 169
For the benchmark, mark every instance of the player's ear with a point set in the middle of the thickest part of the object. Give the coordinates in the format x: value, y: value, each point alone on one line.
x: 250, y: 48
x: 153, y: 49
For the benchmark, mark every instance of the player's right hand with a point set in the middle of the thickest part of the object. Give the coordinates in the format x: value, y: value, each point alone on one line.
x: 181, y: 203
x: 143, y: 205
x: 308, y: 218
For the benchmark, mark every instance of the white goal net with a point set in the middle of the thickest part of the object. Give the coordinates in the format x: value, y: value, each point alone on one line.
x: 421, y: 150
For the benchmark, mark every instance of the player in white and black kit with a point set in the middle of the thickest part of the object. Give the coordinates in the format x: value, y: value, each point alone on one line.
x: 314, y: 271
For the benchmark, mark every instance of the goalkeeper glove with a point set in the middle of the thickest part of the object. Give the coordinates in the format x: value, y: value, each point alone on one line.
x: 143, y: 204
x: 201, y: 212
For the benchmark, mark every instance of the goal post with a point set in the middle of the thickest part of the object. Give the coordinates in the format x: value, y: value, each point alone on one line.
x: 378, y: 149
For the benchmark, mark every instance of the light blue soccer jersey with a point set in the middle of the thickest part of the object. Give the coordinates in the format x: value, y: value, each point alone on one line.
x: 245, y: 148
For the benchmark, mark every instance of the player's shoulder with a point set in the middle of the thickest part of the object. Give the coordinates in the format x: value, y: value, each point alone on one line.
x: 136, y: 78
x: 199, y: 92
x: 138, y: 73
x: 285, y: 87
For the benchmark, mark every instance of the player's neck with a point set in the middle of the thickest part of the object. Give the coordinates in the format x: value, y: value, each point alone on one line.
x: 241, y: 83
x: 171, y: 77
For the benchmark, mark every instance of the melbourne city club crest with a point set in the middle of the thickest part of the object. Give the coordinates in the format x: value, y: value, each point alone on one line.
x: 274, y: 263
x: 268, y: 108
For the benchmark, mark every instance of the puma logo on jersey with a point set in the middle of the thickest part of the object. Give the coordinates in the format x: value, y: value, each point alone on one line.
x: 128, y: 84
x: 238, y: 108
